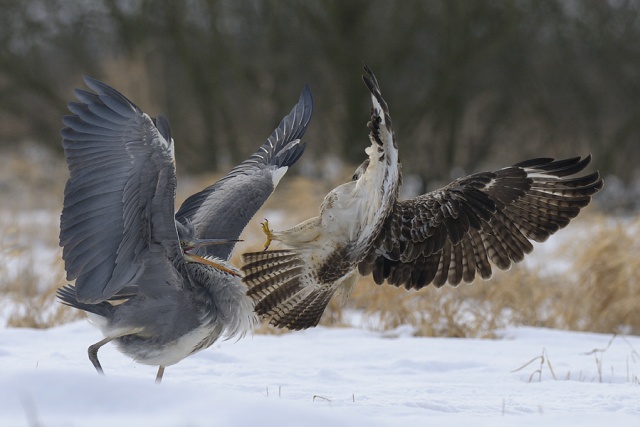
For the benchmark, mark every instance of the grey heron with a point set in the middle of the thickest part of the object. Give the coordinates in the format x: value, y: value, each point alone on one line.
x: 158, y: 283
x: 446, y: 236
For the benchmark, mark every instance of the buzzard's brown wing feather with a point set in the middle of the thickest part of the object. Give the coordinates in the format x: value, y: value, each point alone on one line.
x: 451, y: 234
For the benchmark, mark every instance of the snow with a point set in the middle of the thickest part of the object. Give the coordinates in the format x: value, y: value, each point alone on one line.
x: 326, y: 377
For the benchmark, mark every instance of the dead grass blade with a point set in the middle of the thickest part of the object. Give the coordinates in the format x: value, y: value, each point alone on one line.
x: 544, y: 357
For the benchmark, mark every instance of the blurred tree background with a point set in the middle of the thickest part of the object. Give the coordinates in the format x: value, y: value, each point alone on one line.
x: 470, y: 84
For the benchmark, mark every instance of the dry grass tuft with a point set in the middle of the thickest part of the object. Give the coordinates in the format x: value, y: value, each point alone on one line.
x: 31, y: 268
x: 607, y: 278
x: 28, y: 284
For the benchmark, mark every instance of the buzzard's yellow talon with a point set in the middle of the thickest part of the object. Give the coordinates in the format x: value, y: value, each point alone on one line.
x: 267, y: 231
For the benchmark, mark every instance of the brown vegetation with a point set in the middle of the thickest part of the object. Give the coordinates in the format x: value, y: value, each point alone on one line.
x: 30, y: 273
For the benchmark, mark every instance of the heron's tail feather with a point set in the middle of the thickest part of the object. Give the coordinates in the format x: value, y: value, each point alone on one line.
x: 67, y: 296
x: 277, y: 283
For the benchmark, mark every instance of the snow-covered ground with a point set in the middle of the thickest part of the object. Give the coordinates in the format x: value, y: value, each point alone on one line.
x: 326, y: 377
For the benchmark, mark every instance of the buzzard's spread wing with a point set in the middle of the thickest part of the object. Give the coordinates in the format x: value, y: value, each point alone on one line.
x: 451, y: 234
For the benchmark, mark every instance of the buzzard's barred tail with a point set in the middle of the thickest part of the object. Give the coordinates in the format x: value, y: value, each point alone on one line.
x: 272, y: 278
x: 274, y: 281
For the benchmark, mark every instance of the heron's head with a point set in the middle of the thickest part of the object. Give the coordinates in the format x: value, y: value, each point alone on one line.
x: 190, y: 245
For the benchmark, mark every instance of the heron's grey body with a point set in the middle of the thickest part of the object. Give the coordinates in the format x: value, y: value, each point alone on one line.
x: 156, y: 282
x: 163, y: 330
x: 446, y: 236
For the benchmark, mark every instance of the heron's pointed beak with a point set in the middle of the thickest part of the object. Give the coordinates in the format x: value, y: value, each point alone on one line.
x: 198, y: 243
x: 189, y: 257
x: 207, y: 242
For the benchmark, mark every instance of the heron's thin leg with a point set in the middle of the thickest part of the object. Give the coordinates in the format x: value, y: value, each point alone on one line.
x: 93, y: 354
x: 160, y: 373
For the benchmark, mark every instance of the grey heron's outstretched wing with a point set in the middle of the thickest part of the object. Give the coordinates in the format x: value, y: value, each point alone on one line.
x: 449, y: 235
x: 117, y: 226
x: 223, y: 209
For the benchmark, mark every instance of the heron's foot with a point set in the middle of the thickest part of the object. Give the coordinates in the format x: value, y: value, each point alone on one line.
x: 268, y: 232
x: 160, y: 374
x: 99, y: 369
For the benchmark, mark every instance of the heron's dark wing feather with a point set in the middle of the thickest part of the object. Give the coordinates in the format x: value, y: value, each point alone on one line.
x: 452, y: 234
x: 117, y: 223
x: 223, y: 209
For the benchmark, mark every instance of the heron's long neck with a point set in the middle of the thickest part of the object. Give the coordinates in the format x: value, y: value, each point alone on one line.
x: 224, y: 297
